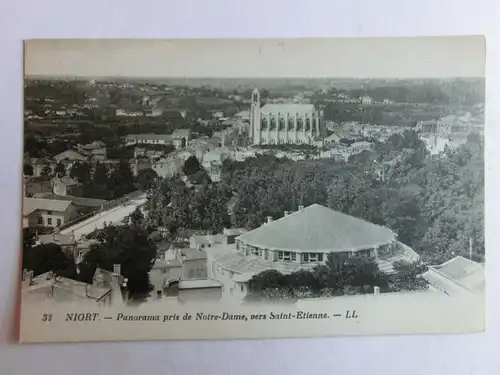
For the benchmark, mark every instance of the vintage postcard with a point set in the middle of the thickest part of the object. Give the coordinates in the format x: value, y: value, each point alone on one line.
x: 215, y: 189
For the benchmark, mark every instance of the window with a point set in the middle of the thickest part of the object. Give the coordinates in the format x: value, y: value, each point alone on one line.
x: 49, y: 221
x: 231, y: 274
x: 285, y: 255
x: 49, y: 212
x: 58, y: 222
x: 313, y: 257
x: 40, y: 220
x: 260, y: 252
x: 305, y: 257
x: 294, y: 256
x: 320, y: 257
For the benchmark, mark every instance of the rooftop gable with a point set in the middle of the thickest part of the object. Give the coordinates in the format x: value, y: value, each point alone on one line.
x: 32, y: 204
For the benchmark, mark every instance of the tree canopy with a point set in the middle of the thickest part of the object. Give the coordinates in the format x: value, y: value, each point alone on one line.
x: 127, y: 246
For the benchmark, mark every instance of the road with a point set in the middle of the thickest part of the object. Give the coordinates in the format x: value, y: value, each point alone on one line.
x: 114, y: 215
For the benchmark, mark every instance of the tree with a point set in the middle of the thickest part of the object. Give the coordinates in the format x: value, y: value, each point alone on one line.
x: 200, y: 177
x: 137, y: 217
x: 81, y: 172
x: 121, y: 179
x: 60, y: 170
x: 48, y: 257
x: 46, y: 170
x: 191, y: 166
x: 146, y: 178
x: 408, y: 277
x: 27, y: 170
x: 101, y: 175
x: 129, y: 247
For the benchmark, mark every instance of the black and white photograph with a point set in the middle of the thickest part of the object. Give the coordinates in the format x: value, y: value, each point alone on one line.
x: 252, y: 188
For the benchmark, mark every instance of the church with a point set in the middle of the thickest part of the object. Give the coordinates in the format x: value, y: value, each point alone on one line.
x: 283, y: 123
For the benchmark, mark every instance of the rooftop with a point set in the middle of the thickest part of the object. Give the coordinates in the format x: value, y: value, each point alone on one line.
x: 150, y: 137
x: 77, y: 288
x: 199, y: 284
x: 32, y: 204
x: 68, y: 181
x: 318, y: 228
x: 193, y: 254
x: 61, y: 239
x: 300, y: 109
x: 231, y: 259
x: 77, y: 201
x: 70, y: 155
x: 465, y: 272
x: 179, y: 133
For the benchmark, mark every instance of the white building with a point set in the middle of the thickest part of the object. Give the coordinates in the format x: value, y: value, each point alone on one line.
x: 151, y: 139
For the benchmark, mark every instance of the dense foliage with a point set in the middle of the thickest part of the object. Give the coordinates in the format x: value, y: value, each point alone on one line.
x: 337, y: 277
x: 127, y: 246
x: 434, y: 203
x: 174, y: 206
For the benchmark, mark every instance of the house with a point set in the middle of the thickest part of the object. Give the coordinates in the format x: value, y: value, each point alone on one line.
x: 155, y: 112
x: 37, y: 185
x: 98, y: 154
x: 151, y: 139
x: 332, y: 139
x: 366, y: 100
x: 46, y: 212
x: 92, y: 146
x: 65, y: 186
x: 217, y: 114
x: 359, y: 147
x: 105, y: 290
x: 81, y: 204
x: 181, y: 137
x: 213, y: 159
x: 201, y: 289
x: 168, y: 168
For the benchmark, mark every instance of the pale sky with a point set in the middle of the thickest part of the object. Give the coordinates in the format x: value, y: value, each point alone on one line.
x: 426, y: 57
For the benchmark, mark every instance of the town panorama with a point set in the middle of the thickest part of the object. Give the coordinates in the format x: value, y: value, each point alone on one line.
x: 251, y: 190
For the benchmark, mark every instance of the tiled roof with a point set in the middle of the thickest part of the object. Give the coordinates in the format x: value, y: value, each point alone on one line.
x: 77, y: 288
x: 231, y: 259
x: 77, y: 201
x: 292, y: 109
x: 32, y: 204
x: 465, y: 272
x: 318, y: 228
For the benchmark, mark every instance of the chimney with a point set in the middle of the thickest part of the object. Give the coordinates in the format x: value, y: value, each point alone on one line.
x: 269, y: 219
x: 301, y: 207
x: 376, y: 290
x: 27, y: 277
x: 117, y: 268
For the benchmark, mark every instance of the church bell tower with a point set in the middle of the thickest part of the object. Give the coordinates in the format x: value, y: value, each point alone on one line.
x: 255, y: 117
